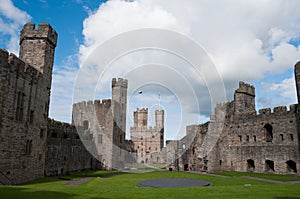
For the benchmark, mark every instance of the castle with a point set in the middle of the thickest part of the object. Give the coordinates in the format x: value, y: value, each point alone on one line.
x: 239, y: 139
x: 104, y: 125
x: 148, y: 142
x: 33, y: 146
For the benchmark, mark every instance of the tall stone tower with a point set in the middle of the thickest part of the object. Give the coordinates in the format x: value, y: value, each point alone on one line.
x: 24, y: 104
x: 119, y: 101
x: 244, y: 99
x: 118, y: 105
x: 37, y: 48
x: 297, y: 79
x: 159, y: 122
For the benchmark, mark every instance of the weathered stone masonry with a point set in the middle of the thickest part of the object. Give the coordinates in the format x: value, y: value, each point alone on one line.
x: 267, y: 141
x: 28, y: 148
x: 24, y: 104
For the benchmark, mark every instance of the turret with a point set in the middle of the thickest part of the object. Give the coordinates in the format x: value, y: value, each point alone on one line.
x: 140, y: 117
x: 244, y: 99
x: 297, y: 79
x: 119, y: 101
x: 37, y: 48
x: 159, y: 118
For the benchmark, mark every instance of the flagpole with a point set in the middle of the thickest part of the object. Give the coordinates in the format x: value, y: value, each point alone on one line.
x: 141, y: 93
x: 158, y: 100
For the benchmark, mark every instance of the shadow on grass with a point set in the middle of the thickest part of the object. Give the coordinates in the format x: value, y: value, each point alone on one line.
x: 284, y: 197
x: 16, y: 192
x: 43, y: 180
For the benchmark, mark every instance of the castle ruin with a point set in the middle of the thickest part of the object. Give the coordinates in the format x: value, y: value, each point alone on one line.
x: 236, y: 137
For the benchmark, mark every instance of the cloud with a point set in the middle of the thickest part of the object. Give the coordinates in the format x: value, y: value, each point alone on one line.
x: 278, y: 94
x: 245, y: 40
x: 286, y: 88
x: 11, y: 21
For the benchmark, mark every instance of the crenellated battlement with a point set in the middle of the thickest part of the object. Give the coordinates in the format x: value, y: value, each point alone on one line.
x: 246, y: 88
x: 18, y: 66
x: 145, y: 110
x: 279, y: 110
x: 119, y: 82
x: 44, y: 31
x: 90, y: 104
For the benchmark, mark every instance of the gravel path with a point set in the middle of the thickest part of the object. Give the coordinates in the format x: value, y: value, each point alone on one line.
x: 78, y: 182
x: 272, y: 181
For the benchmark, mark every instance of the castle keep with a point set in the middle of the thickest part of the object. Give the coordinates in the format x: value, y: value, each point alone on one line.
x: 148, y: 142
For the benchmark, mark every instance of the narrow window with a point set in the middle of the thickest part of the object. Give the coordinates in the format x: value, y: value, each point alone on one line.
x: 268, y: 132
x: 291, y: 137
x: 31, y: 117
x: 247, y: 138
x: 100, y: 139
x: 20, y: 106
x: 281, y: 136
x: 85, y: 125
x: 240, y: 138
x: 254, y: 138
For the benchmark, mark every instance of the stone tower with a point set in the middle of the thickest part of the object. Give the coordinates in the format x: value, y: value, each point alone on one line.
x: 24, y: 104
x: 244, y: 99
x: 141, y: 117
x: 159, y: 122
x: 37, y: 48
x: 119, y: 101
x: 297, y: 79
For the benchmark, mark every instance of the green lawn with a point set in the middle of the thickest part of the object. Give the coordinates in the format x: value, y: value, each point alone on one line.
x: 124, y: 186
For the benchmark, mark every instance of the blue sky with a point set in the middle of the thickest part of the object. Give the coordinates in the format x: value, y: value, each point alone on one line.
x: 256, y: 42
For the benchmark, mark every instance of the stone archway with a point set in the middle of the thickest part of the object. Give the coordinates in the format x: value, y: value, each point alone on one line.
x: 269, y: 165
x: 291, y: 166
x: 250, y: 165
x: 268, y: 132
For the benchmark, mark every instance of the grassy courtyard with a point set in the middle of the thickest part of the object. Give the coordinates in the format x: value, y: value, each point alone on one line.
x: 124, y: 186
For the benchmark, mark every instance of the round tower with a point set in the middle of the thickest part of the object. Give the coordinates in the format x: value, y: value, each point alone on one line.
x: 297, y: 79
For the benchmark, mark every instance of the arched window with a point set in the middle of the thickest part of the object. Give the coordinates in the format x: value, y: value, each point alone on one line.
x: 291, y: 166
x: 85, y: 124
x: 268, y: 132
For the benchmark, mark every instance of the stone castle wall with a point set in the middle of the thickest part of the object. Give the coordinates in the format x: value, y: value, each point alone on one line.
x: 24, y: 104
x: 243, y: 140
x: 65, y: 151
x: 105, y: 123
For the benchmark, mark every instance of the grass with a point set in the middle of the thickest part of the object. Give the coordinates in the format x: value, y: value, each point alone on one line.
x: 124, y: 186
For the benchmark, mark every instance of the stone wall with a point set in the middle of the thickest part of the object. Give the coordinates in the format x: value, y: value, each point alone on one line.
x: 24, y: 104
x: 65, y: 151
x: 105, y: 123
x: 239, y: 139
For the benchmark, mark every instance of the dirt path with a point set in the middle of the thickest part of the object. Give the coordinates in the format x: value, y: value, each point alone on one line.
x: 209, y: 174
x: 78, y: 182
x: 272, y: 181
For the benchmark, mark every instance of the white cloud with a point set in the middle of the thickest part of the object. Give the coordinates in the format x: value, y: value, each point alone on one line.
x: 286, y: 88
x: 11, y: 21
x: 245, y: 39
